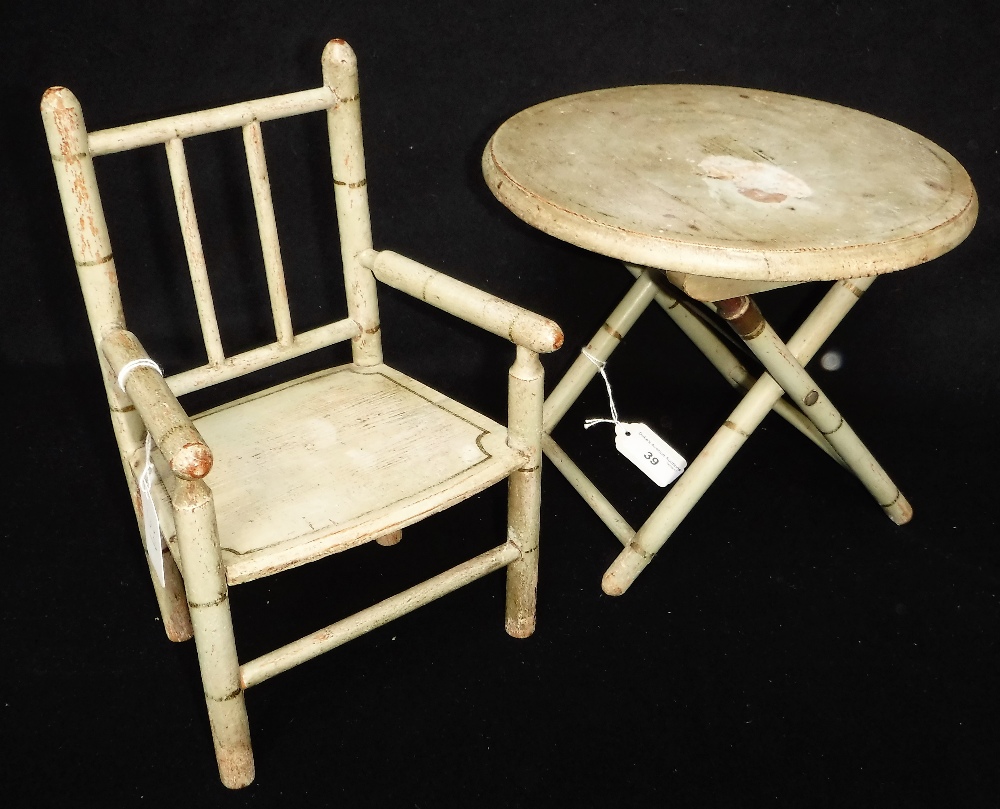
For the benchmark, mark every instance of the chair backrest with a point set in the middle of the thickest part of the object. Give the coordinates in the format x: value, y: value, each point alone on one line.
x: 73, y: 148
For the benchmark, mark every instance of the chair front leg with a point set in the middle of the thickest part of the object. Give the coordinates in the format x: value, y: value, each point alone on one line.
x: 524, y: 433
x: 208, y: 601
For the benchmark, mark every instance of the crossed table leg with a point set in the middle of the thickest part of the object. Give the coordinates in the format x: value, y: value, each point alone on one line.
x: 812, y: 413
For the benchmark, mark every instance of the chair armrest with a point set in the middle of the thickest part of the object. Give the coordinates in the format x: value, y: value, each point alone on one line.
x: 520, y: 326
x: 176, y: 436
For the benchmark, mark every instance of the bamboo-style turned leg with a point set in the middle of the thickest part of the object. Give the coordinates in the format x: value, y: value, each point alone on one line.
x: 724, y: 445
x: 593, y: 496
x: 172, y: 600
x: 208, y: 600
x: 607, y: 339
x: 747, y: 320
x: 583, y: 370
x: 684, y: 315
x: 526, y: 393
x: 170, y: 596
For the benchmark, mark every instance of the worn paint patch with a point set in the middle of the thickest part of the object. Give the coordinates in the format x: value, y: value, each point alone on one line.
x: 758, y: 181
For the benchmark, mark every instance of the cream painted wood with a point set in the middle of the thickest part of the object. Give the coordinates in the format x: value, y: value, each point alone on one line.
x: 728, y: 440
x: 195, y: 253
x: 176, y: 437
x: 292, y: 480
x: 649, y: 287
x: 73, y: 166
x: 263, y: 357
x: 731, y: 183
x: 600, y: 347
x: 475, y: 306
x: 262, y: 668
x: 693, y: 322
x: 170, y: 596
x: 705, y: 288
x: 208, y: 600
x: 204, y: 122
x: 728, y: 192
x: 593, y: 496
x: 318, y: 464
x: 350, y: 182
x: 785, y: 369
x: 260, y: 184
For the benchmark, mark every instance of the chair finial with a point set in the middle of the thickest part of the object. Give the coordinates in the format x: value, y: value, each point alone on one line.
x: 340, y: 69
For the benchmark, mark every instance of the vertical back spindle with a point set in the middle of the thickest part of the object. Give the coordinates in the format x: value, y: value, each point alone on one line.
x: 195, y: 253
x: 260, y: 184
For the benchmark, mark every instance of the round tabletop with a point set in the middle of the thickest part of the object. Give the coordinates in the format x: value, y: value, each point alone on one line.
x: 731, y: 183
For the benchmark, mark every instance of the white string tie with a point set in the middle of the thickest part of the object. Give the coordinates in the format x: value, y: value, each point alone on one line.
x: 131, y: 365
x: 601, y: 364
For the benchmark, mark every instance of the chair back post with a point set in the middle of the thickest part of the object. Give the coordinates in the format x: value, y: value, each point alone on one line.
x: 73, y: 164
x: 340, y: 74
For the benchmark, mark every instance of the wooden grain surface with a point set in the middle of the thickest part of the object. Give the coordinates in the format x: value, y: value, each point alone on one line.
x: 730, y: 182
x: 327, y: 462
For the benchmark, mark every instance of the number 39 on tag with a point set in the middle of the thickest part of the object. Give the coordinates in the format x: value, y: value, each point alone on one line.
x: 655, y: 457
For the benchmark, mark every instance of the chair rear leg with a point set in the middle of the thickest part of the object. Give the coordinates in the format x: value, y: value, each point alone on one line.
x: 389, y: 539
x: 172, y: 601
x: 170, y: 596
x: 208, y: 600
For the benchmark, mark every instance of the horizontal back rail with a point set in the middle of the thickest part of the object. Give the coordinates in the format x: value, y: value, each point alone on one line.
x: 161, y: 130
x: 263, y: 357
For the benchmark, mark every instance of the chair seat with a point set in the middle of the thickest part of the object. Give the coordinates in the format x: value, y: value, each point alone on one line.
x: 293, y: 464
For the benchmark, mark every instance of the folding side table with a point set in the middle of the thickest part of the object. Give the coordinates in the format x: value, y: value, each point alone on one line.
x: 713, y: 194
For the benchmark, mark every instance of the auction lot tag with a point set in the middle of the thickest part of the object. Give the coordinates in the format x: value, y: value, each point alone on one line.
x: 654, y: 456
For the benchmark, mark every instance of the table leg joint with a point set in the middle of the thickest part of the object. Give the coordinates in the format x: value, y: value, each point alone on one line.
x: 743, y: 315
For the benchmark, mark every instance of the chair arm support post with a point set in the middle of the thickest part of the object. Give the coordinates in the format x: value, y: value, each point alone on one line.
x: 176, y: 436
x: 524, y: 405
x: 521, y: 326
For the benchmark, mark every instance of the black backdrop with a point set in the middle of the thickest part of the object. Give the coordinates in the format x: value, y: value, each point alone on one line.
x: 789, y: 646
